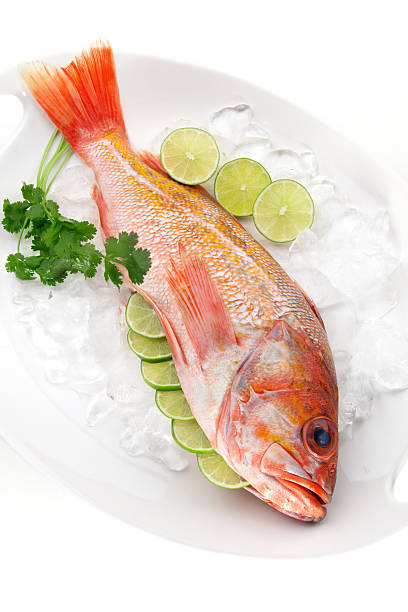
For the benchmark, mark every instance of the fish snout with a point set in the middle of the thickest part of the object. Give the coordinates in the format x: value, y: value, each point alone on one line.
x: 310, y: 496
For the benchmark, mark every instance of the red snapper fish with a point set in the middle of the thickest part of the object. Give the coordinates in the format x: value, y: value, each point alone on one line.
x: 249, y: 346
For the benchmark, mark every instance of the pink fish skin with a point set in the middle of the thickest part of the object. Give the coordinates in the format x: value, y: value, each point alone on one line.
x: 249, y: 346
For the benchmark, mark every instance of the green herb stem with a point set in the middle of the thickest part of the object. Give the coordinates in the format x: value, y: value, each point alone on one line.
x: 45, y: 154
x: 20, y: 236
x: 62, y: 148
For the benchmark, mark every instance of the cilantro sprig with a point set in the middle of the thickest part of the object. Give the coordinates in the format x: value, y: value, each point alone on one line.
x: 63, y: 246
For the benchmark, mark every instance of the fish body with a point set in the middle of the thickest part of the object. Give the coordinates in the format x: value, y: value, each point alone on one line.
x: 249, y: 346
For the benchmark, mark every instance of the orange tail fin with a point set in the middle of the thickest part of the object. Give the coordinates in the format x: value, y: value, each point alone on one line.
x: 82, y: 99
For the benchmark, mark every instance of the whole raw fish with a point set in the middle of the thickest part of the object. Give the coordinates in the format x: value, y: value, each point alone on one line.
x: 249, y: 346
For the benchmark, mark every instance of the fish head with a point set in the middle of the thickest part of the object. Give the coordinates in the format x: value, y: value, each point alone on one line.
x: 282, y: 425
x: 297, y: 468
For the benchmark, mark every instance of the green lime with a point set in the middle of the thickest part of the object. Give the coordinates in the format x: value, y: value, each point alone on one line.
x: 190, y: 436
x: 217, y: 471
x: 142, y: 319
x: 283, y: 210
x: 149, y: 349
x: 238, y: 184
x: 174, y: 405
x: 189, y: 155
x: 161, y: 375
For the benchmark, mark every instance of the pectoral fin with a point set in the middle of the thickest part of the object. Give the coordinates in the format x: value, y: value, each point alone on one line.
x: 207, y: 320
x: 175, y: 346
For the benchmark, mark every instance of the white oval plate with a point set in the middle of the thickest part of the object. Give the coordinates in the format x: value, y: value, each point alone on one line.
x: 181, y: 505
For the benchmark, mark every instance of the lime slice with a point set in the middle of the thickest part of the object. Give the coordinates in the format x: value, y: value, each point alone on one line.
x: 217, y: 471
x: 190, y: 436
x: 239, y: 183
x: 142, y: 319
x: 149, y: 349
x: 173, y: 405
x: 283, y: 210
x: 190, y: 155
x: 162, y: 375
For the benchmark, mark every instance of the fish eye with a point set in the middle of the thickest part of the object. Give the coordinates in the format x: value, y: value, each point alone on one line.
x: 320, y: 437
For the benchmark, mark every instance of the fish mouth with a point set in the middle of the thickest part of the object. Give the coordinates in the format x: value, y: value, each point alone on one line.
x: 298, y: 495
x: 297, y: 483
x: 310, y: 495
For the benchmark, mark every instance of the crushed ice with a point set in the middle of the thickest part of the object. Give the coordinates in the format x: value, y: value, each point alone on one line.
x: 343, y: 262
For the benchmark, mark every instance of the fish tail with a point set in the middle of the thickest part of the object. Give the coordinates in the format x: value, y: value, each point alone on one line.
x: 81, y: 99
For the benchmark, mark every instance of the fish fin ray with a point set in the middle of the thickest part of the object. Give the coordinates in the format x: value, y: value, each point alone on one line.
x: 311, y: 304
x: 153, y: 161
x: 82, y: 98
x: 174, y: 343
x: 204, y: 313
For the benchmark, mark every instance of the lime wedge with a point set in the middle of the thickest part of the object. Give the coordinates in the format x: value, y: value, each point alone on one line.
x: 173, y: 405
x: 218, y: 472
x: 142, y: 319
x: 238, y: 184
x: 162, y: 375
x: 149, y: 349
x: 283, y: 210
x: 189, y: 155
x: 190, y: 436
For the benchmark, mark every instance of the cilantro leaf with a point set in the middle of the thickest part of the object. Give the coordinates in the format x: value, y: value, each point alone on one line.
x: 121, y: 246
x: 37, y: 212
x: 33, y: 195
x: 14, y: 215
x: 17, y: 263
x: 112, y: 273
x: 138, y: 264
x: 86, y: 258
x: 84, y: 230
x: 122, y: 251
x: 53, y: 270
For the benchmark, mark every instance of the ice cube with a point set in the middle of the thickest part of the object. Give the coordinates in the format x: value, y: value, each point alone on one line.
x: 341, y: 325
x: 321, y: 189
x: 327, y: 213
x: 355, y: 254
x: 45, y: 344
x: 305, y: 250
x: 125, y: 383
x: 103, y: 326
x: 167, y: 451
x: 253, y: 148
x: 309, y: 163
x: 356, y: 393
x: 134, y: 415
x: 231, y: 122
x: 174, y: 125
x: 377, y: 301
x: 316, y: 285
x: 57, y: 369
x: 63, y: 317
x: 286, y: 163
x: 381, y: 352
x: 98, y: 407
x: 356, y: 397
x: 76, y: 180
x: 154, y: 440
x: 132, y: 441
x: 159, y: 441
x: 255, y: 130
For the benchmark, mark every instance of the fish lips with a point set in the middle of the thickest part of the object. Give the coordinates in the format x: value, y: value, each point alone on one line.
x: 288, y: 473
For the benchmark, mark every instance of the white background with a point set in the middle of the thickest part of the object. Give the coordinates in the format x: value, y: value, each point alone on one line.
x: 346, y: 62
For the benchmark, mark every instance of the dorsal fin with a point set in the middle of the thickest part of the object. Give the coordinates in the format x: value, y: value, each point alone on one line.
x: 311, y: 304
x: 207, y: 320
